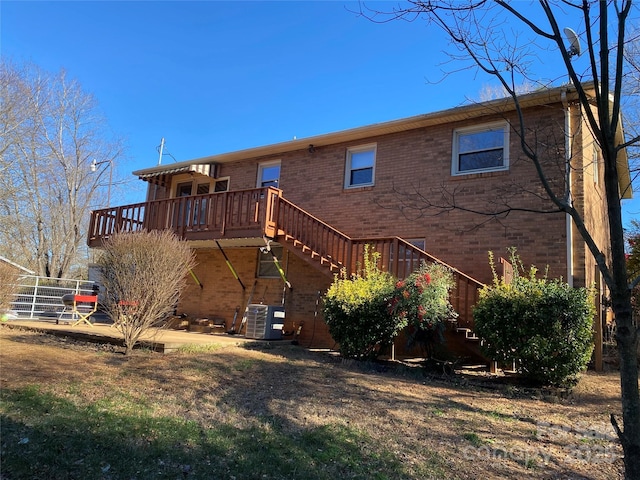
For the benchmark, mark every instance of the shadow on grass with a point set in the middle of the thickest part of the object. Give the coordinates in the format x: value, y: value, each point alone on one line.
x: 281, y: 413
x: 47, y: 437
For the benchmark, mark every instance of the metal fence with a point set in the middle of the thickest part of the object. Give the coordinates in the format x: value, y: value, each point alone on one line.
x: 38, y: 297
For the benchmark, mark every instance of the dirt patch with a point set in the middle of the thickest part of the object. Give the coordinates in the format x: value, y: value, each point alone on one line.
x: 477, y: 427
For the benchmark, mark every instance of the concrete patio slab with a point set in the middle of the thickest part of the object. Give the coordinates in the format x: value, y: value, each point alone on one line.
x: 158, y: 339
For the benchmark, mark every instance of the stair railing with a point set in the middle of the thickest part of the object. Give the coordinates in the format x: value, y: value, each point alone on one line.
x: 320, y: 238
x: 397, y: 256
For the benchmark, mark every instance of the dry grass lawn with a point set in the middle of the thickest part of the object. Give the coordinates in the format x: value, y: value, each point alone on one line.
x: 410, y: 425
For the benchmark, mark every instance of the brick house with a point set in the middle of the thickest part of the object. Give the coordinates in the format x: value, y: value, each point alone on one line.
x: 319, y: 200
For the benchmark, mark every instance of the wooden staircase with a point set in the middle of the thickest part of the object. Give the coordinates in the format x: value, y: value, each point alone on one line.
x: 331, y: 251
x: 308, y: 255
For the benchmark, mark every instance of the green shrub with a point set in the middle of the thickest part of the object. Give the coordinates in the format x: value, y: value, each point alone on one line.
x: 356, y: 310
x: 422, y: 301
x: 544, y: 325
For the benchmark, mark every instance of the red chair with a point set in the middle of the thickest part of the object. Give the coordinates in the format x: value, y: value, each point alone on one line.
x: 81, y: 307
x: 127, y: 307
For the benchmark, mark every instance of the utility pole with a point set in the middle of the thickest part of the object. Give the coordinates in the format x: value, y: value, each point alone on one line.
x: 161, y: 149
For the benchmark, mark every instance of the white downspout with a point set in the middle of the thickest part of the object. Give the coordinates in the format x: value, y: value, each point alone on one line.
x: 568, y: 154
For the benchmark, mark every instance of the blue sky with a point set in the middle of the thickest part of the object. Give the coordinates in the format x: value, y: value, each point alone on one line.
x: 212, y: 77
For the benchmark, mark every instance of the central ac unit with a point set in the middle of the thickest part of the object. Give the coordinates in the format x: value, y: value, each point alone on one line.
x: 264, y: 322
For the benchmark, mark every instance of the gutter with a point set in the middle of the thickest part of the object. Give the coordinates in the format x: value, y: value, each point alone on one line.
x: 22, y: 269
x: 568, y: 154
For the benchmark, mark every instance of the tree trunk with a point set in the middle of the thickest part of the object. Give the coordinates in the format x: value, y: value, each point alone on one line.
x: 627, y: 342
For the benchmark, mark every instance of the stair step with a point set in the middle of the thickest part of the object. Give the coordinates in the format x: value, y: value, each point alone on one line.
x: 325, y: 261
x: 469, y: 335
x: 328, y: 262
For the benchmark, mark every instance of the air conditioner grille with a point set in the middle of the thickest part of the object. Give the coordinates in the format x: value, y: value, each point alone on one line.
x: 264, y: 322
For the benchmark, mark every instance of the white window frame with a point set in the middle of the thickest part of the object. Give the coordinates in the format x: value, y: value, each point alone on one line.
x: 455, y: 160
x: 264, y: 165
x: 183, y: 183
x: 420, y: 243
x: 348, y: 169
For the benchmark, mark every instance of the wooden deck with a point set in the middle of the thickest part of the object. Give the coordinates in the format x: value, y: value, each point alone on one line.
x: 236, y: 214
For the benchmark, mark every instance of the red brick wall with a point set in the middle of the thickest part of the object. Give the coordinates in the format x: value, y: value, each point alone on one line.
x: 420, y: 161
x: 222, y: 293
x: 415, y: 162
x: 590, y: 201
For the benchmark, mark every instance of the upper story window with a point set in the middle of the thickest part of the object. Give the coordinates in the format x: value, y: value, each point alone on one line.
x: 221, y: 185
x: 195, y: 187
x: 183, y: 189
x: 269, y: 174
x: 480, y: 149
x: 360, y: 167
x: 202, y: 188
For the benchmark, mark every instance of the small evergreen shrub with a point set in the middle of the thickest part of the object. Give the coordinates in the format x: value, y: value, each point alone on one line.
x: 356, y: 310
x: 544, y: 325
x: 422, y: 301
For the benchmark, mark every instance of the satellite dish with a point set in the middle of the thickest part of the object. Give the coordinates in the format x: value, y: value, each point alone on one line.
x: 574, y: 41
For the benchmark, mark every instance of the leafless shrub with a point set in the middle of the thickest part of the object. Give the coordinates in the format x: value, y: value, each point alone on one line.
x: 143, y: 276
x: 8, y: 288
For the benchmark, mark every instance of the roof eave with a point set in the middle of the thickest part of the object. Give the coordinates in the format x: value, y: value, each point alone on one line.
x: 464, y: 112
x: 622, y: 166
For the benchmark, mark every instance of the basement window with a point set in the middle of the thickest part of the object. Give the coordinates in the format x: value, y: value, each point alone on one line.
x: 266, y: 266
x: 480, y: 149
x: 360, y: 167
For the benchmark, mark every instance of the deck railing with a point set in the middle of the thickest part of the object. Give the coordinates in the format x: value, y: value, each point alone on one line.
x: 401, y: 258
x: 397, y: 256
x: 211, y: 215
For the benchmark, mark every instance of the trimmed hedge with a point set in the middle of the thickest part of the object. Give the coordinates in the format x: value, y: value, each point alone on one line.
x: 544, y: 325
x: 356, y: 311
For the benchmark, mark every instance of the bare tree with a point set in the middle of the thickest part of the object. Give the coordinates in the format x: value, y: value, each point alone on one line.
x: 143, y: 274
x: 8, y: 288
x: 50, y: 132
x: 506, y: 40
x: 631, y: 96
